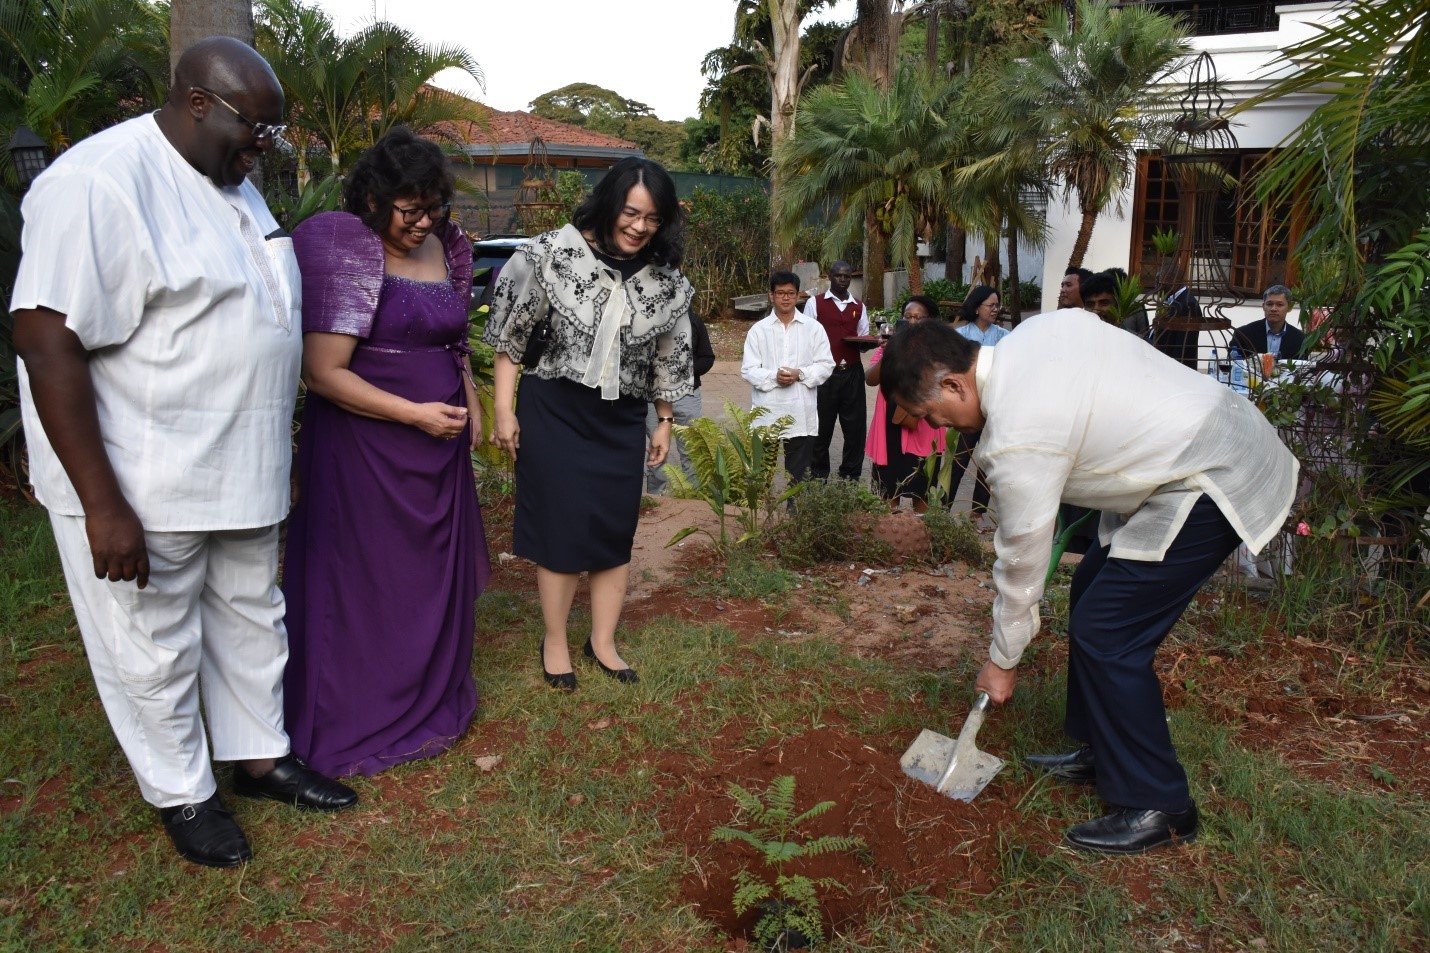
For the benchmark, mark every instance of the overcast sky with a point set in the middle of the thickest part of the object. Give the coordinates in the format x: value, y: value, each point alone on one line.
x: 646, y: 50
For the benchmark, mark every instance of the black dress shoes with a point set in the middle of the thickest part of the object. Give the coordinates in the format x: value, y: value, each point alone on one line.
x: 206, y: 833
x: 565, y: 681
x: 1074, y: 766
x: 293, y: 782
x: 626, y: 676
x: 1132, y: 831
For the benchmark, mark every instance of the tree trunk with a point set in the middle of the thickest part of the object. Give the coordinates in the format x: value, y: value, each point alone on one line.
x: 192, y: 20
x: 784, y: 97
x: 874, y: 253
x: 931, y: 40
x: 957, y: 255
x: 1084, y: 238
x: 992, y: 259
x: 1015, y: 299
x: 916, y: 268
x: 875, y: 39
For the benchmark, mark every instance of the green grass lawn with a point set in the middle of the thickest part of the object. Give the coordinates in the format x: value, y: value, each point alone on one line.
x: 559, y: 845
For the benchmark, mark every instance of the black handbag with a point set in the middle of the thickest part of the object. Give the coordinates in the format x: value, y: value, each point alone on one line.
x: 536, y: 343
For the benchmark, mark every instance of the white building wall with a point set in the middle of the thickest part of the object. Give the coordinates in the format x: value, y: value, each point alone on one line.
x: 1243, y: 63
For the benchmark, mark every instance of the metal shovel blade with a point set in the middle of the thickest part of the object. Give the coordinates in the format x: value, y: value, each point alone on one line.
x: 953, y: 768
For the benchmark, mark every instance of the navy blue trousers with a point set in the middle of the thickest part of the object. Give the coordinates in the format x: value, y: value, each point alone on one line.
x: 1121, y: 610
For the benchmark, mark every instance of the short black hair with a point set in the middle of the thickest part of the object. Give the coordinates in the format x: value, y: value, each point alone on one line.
x: 930, y: 305
x: 399, y: 164
x: 976, y: 296
x: 601, y: 209
x: 918, y: 350
x: 784, y: 278
x: 1082, y: 273
x: 1100, y: 283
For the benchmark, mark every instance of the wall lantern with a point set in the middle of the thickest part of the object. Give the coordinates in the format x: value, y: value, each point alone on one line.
x: 29, y: 153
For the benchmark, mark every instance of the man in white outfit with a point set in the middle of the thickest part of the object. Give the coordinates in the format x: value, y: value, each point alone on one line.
x: 786, y: 359
x: 157, y: 321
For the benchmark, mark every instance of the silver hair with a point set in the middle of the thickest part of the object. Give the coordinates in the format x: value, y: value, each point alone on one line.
x: 1278, y: 290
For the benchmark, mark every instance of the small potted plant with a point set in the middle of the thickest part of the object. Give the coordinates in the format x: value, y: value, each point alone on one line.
x: 789, y: 905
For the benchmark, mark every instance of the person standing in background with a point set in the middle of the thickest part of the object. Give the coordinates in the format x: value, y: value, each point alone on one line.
x: 841, y: 398
x: 898, y: 444
x: 980, y: 325
x: 786, y: 359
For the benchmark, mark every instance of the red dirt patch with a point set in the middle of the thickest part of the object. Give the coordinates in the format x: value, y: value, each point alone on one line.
x: 915, y: 838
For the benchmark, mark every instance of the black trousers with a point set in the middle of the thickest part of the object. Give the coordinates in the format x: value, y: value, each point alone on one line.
x: 797, y: 454
x: 842, y: 399
x: 1121, y: 610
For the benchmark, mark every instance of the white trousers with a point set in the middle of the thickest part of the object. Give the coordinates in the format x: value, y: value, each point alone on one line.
x: 211, y: 615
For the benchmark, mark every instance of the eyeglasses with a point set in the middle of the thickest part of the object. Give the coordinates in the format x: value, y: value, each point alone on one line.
x: 411, y: 216
x: 261, y: 130
x: 784, y: 294
x: 632, y: 215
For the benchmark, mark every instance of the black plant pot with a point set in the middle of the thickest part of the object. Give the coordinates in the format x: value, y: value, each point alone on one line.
x: 788, y: 938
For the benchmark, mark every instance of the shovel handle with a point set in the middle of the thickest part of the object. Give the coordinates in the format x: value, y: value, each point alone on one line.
x: 982, y: 703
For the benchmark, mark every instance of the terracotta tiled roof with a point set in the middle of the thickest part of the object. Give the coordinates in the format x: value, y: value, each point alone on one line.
x: 523, y: 127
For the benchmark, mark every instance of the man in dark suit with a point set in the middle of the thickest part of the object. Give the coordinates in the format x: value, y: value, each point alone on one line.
x: 1272, y: 335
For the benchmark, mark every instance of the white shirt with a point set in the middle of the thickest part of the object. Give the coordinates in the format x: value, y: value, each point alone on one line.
x: 193, y: 324
x: 803, y: 345
x: 1079, y: 411
x: 811, y: 309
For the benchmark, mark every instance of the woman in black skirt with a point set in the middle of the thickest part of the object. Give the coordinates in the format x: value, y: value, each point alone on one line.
x: 618, y: 336
x: 898, y: 444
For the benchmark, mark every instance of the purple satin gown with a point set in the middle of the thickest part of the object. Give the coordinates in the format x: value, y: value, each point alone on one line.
x: 386, y: 555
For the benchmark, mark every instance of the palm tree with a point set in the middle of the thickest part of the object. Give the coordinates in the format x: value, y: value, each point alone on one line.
x: 69, y: 69
x: 1366, y: 154
x: 343, y: 94
x: 884, y: 153
x: 1092, y: 94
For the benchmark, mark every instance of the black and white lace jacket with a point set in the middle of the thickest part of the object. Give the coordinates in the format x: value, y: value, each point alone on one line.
x: 627, y: 337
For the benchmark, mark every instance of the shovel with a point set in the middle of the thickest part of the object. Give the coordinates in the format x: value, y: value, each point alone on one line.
x: 953, y: 768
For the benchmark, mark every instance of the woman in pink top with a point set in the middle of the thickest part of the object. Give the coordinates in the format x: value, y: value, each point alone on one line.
x: 899, y: 444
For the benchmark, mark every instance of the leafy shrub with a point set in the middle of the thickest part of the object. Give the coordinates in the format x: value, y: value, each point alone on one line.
x: 733, y: 467
x: 770, y: 824
x: 727, y: 245
x: 954, y: 537
x: 948, y: 294
x: 830, y: 521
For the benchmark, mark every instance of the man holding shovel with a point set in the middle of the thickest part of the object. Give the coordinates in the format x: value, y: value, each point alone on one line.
x: 1182, y: 468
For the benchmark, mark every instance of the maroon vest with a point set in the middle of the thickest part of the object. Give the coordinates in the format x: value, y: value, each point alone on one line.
x: 840, y: 325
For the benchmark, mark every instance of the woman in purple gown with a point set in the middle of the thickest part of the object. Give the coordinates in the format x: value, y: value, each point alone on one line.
x: 386, y: 554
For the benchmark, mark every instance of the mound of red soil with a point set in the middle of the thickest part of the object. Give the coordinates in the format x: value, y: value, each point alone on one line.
x: 914, y: 837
